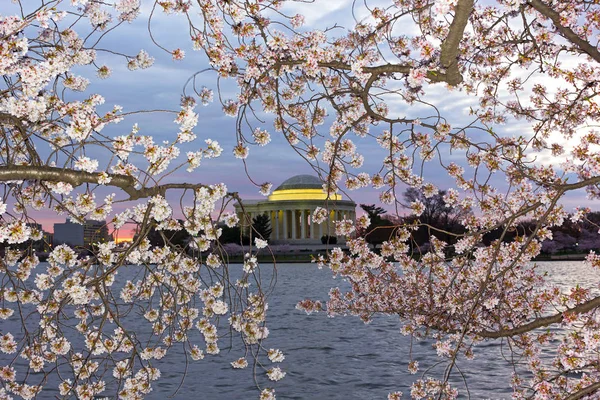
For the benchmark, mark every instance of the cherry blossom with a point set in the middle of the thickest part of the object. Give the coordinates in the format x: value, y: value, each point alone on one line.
x: 529, y: 70
x: 275, y: 374
x: 276, y: 355
x: 260, y: 243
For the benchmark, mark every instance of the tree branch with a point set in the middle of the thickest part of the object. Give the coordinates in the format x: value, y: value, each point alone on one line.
x: 375, y: 71
x: 591, y: 389
x: 541, y: 322
x: 18, y: 123
x: 581, y: 184
x: 565, y: 31
x: 449, y: 56
x: 76, y: 178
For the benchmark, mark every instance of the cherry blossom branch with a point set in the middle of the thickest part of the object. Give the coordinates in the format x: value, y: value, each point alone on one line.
x: 579, y: 185
x: 375, y: 71
x: 544, y: 321
x: 449, y: 56
x: 17, y: 123
x: 77, y: 178
x: 566, y: 32
x: 591, y: 389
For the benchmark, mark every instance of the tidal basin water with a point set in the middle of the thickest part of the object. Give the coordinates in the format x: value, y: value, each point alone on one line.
x: 342, y: 358
x: 330, y: 358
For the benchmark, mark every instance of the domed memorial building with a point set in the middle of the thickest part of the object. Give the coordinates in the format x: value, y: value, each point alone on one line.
x: 290, y: 208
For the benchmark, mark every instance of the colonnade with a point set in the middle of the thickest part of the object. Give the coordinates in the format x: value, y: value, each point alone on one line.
x: 298, y: 224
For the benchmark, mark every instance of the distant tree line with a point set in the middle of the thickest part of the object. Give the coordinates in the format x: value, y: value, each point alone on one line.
x: 446, y: 223
x: 261, y: 228
x: 436, y: 220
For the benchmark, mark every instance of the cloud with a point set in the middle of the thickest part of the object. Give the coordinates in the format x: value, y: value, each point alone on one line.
x: 322, y: 16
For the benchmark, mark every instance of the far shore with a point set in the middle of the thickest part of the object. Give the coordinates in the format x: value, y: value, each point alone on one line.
x: 295, y: 258
x: 307, y: 255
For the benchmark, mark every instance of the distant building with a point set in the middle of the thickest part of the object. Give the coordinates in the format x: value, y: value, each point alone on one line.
x: 290, y: 209
x: 47, y: 242
x: 69, y: 233
x: 95, y: 232
x: 78, y: 235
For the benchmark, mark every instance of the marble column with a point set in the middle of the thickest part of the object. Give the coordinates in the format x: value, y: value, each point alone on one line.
x: 294, y: 223
x: 285, y: 224
x: 303, y: 224
x: 276, y: 222
x: 313, y: 226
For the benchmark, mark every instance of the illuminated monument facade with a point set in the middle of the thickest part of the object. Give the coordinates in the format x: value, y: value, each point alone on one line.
x: 290, y: 209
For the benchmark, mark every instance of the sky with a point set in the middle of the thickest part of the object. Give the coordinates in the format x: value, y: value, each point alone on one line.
x: 160, y: 87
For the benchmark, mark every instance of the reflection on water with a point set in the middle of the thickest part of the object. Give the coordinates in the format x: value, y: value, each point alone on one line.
x: 339, y: 358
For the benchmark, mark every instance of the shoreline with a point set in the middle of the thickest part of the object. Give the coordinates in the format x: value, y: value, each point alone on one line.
x: 562, y: 257
x: 293, y: 258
